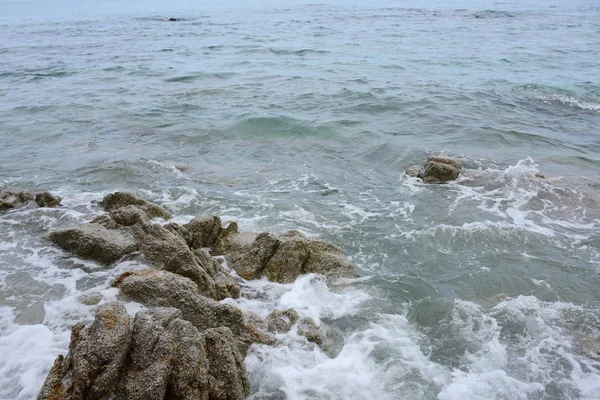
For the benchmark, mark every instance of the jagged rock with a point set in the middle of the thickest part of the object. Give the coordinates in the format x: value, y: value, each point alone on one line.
x: 282, y: 258
x: 47, y: 199
x: 164, y: 289
x: 91, y: 299
x: 281, y: 321
x: 11, y: 199
x: 167, y: 358
x: 118, y: 200
x: 166, y: 250
x: 180, y: 231
x: 249, y: 260
x: 95, y: 242
x: 161, y: 357
x: 204, y: 231
x: 289, y: 259
x: 96, y: 358
x: 440, y: 169
x: 228, y: 378
x: 413, y: 170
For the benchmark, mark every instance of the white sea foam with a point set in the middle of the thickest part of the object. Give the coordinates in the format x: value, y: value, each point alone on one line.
x: 570, y: 101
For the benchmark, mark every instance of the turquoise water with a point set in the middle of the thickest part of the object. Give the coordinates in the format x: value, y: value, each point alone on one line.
x: 291, y: 115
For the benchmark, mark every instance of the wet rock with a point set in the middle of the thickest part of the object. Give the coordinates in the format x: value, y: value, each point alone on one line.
x: 118, y: 200
x: 160, y: 357
x: 91, y: 299
x: 413, y: 170
x: 95, y: 242
x: 179, y: 230
x: 167, y: 358
x: 166, y: 250
x: 155, y: 288
x: 47, y: 199
x: 97, y: 356
x: 228, y: 379
x: 249, y: 259
x: 106, y: 221
x: 283, y: 258
x: 327, y: 338
x: 281, y: 321
x: 439, y: 169
x: 11, y: 199
x: 310, y: 331
x: 129, y: 215
x: 203, y: 231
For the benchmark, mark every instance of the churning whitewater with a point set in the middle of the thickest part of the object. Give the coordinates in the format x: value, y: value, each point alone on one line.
x: 303, y: 120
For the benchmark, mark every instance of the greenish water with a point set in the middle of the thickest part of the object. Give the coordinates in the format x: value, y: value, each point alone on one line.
x: 304, y: 116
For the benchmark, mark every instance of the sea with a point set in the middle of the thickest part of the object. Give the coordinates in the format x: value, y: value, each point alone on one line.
x: 304, y: 115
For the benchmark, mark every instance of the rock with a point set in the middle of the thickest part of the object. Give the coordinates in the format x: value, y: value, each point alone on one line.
x: 283, y: 258
x: 166, y: 250
x: 129, y: 215
x: 95, y: 242
x: 91, y: 299
x: 155, y: 288
x: 96, y: 358
x: 413, y: 170
x: 11, y: 199
x: 47, y: 199
x: 160, y: 357
x: 327, y: 338
x: 228, y: 379
x: 106, y: 221
x: 288, y: 261
x: 281, y: 321
x: 118, y: 200
x: 440, y: 169
x: 167, y: 358
x: 310, y: 331
x: 203, y: 231
x: 249, y: 260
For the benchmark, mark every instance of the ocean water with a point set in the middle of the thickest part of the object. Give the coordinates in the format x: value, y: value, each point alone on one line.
x: 295, y: 115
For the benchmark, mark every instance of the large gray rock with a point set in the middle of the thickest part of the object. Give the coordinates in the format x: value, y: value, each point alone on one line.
x: 95, y: 242
x: 114, y: 201
x: 283, y: 258
x: 228, y: 379
x: 155, y: 288
x: 162, y: 357
x: 167, y: 359
x: 47, y: 199
x: 11, y: 199
x: 96, y: 359
x: 203, y: 231
x: 439, y: 169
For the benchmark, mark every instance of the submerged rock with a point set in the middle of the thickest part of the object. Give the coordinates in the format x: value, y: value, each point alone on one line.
x: 161, y: 356
x: 439, y: 169
x: 11, y: 199
x: 413, y: 170
x: 118, y: 200
x: 280, y: 321
x: 91, y: 299
x: 47, y: 199
x: 95, y: 242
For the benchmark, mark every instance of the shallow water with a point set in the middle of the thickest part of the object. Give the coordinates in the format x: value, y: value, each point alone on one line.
x: 304, y: 116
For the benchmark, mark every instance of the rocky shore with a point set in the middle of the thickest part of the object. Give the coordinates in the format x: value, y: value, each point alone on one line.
x: 186, y: 343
